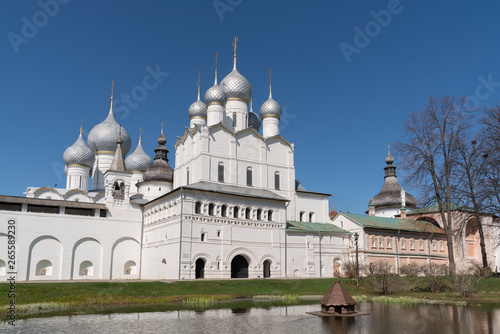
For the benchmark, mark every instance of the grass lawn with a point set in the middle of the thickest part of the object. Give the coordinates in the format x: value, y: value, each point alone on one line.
x: 97, y: 294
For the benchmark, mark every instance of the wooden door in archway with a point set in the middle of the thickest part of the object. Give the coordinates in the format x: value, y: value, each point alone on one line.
x: 336, y: 269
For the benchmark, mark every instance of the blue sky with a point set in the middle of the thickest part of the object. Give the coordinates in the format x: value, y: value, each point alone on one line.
x: 340, y: 111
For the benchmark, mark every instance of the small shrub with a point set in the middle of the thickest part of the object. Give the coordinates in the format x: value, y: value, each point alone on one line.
x: 435, y: 275
x: 480, y: 271
x: 410, y: 270
x: 380, y: 277
x: 467, y: 282
x: 349, y: 265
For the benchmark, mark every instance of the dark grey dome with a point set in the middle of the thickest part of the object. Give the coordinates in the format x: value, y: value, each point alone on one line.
x: 160, y: 171
x: 390, y: 194
x: 253, y: 120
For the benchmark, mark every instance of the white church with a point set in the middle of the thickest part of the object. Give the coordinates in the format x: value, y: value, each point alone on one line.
x: 231, y: 208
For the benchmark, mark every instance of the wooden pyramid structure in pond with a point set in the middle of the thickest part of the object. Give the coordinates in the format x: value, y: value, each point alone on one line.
x: 337, y: 300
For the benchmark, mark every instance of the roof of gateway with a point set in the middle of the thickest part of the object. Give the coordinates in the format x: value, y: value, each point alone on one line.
x: 293, y: 226
x: 393, y: 223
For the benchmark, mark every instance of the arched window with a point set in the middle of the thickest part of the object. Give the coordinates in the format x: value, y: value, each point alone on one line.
x: 270, y: 215
x: 223, y: 211
x: 118, y: 190
x: 381, y: 242
x: 197, y: 208
x: 277, y: 181
x: 267, y: 269
x: 434, y: 246
x: 3, y: 268
x: 374, y: 242
x: 221, y: 172
x: 311, y: 217
x: 211, y: 208
x: 421, y: 245
x: 403, y: 243
x: 129, y: 268
x: 471, y: 229
x: 259, y: 214
x: 236, y: 212
x: 247, y: 213
x: 86, y: 268
x: 412, y: 244
x: 44, y: 268
x: 301, y: 216
x: 187, y: 176
x: 249, y: 177
x: 389, y: 242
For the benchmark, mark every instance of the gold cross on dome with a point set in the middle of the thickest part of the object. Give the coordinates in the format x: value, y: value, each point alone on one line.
x: 112, y: 88
x: 234, y: 44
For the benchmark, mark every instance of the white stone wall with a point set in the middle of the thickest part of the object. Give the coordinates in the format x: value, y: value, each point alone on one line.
x: 305, y: 258
x: 60, y: 243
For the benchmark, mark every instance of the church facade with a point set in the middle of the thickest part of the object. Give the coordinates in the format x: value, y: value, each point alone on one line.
x: 230, y: 208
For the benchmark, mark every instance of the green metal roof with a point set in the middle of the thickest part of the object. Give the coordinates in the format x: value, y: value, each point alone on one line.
x: 394, y: 223
x: 306, y: 227
x: 435, y: 208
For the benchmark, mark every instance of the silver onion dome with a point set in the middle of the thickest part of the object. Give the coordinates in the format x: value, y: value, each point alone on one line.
x: 236, y: 86
x: 103, y: 136
x: 270, y: 108
x: 79, y: 154
x: 198, y: 109
x: 160, y: 170
x: 215, y: 95
x: 138, y: 161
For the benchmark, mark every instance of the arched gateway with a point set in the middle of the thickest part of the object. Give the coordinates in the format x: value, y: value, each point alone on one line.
x: 200, y: 268
x: 239, y: 267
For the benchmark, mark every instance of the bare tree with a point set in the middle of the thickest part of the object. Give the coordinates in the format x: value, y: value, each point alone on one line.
x: 469, y: 178
x: 430, y: 153
x: 491, y: 137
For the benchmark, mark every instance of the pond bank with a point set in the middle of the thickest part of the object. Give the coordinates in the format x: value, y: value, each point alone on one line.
x: 33, y: 299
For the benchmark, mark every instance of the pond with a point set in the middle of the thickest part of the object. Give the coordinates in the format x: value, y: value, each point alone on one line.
x: 384, y: 318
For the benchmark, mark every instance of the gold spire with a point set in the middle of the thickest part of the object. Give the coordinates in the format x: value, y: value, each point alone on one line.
x: 270, y: 74
x: 140, y: 134
x: 112, y: 88
x: 235, y: 47
x: 216, y: 56
x: 198, y: 85
x: 81, y: 126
